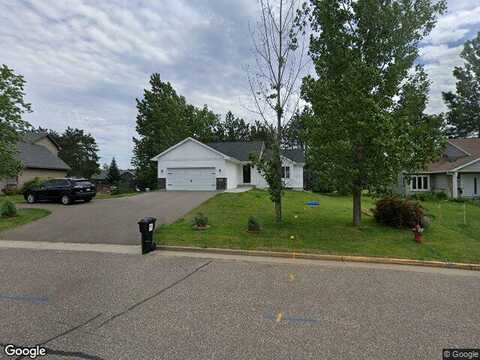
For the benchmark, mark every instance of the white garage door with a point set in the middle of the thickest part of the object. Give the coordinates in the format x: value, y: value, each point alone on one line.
x: 191, y: 179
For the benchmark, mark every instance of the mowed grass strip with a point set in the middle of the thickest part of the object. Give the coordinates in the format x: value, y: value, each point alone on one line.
x: 24, y: 216
x: 326, y: 229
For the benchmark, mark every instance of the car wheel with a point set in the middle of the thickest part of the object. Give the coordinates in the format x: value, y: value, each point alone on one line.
x: 65, y: 200
x: 88, y: 199
x: 31, y: 198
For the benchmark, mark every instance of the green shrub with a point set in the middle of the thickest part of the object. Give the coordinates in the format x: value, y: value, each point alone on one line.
x: 399, y: 213
x: 32, y: 183
x: 120, y: 188
x: 12, y: 191
x: 253, y: 224
x: 441, y: 196
x: 8, y: 209
x: 429, y: 196
x: 200, y: 220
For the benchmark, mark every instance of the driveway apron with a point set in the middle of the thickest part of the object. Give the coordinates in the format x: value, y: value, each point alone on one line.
x: 112, y: 221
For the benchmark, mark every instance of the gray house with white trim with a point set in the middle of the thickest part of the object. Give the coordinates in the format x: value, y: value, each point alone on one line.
x: 456, y: 173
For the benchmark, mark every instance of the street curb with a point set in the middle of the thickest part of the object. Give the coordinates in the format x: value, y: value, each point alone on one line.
x: 60, y: 246
x: 346, y: 258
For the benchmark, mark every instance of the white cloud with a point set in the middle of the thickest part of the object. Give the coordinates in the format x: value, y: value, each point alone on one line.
x: 440, y: 51
x: 85, y: 61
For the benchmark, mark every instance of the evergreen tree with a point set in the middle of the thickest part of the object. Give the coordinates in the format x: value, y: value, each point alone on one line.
x: 164, y: 118
x: 79, y: 150
x: 113, y: 175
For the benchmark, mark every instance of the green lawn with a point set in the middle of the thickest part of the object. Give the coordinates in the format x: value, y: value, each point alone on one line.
x: 17, y: 199
x: 24, y: 216
x: 327, y: 229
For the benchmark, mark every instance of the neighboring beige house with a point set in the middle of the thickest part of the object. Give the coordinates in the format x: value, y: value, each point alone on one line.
x: 39, y: 155
x: 456, y: 173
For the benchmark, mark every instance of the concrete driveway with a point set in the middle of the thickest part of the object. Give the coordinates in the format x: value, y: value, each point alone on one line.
x: 108, y: 306
x: 112, y: 221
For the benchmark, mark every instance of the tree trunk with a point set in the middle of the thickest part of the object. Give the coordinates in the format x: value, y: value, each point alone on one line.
x: 357, y: 205
x: 278, y: 203
x: 278, y: 211
x: 278, y: 160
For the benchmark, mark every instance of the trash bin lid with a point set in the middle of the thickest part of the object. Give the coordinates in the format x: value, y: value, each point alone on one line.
x: 147, y: 220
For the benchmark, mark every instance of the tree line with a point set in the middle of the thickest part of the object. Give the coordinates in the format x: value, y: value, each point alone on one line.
x: 364, y: 121
x: 165, y: 118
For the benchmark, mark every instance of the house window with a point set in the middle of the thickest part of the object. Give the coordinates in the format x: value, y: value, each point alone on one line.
x: 286, y: 172
x: 420, y: 183
x: 475, y: 186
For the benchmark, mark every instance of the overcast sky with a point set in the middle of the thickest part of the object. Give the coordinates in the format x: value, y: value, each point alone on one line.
x: 86, y: 61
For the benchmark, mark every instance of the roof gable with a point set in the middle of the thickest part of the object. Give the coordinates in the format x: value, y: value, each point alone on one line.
x: 33, y: 137
x: 461, y: 153
x: 186, y: 141
x: 39, y: 157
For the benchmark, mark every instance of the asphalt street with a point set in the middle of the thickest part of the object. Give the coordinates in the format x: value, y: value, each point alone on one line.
x: 112, y: 221
x: 108, y: 306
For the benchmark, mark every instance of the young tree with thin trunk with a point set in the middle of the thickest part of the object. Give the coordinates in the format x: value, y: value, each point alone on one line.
x: 463, y: 117
x: 368, y: 98
x: 279, y: 58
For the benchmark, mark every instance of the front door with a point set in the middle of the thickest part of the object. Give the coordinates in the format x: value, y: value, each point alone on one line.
x: 247, y: 174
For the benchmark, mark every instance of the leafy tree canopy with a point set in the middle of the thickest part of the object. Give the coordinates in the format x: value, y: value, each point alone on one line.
x: 463, y: 117
x: 368, y: 98
x: 12, y: 109
x: 79, y: 150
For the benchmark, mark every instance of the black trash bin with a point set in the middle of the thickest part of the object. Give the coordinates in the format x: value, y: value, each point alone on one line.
x: 147, y: 228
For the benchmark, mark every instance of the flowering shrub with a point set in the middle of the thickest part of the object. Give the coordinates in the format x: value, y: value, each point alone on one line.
x: 200, y: 220
x: 399, y: 213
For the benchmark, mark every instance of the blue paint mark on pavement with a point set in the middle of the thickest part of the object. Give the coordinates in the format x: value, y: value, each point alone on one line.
x: 26, y: 298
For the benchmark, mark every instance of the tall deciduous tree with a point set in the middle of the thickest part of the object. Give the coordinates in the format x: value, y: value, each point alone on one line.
x: 463, y: 117
x: 164, y: 118
x: 79, y: 150
x: 279, y: 59
x: 113, y: 174
x: 12, y: 109
x: 368, y: 97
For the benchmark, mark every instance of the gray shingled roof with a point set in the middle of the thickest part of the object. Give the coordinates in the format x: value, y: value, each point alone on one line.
x: 471, y: 145
x: 33, y: 136
x: 242, y: 150
x: 297, y: 155
x: 39, y: 157
x: 237, y: 149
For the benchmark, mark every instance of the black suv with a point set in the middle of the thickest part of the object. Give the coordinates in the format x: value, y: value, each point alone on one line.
x: 64, y: 190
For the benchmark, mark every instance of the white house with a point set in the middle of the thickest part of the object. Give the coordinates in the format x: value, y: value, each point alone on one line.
x: 193, y: 165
